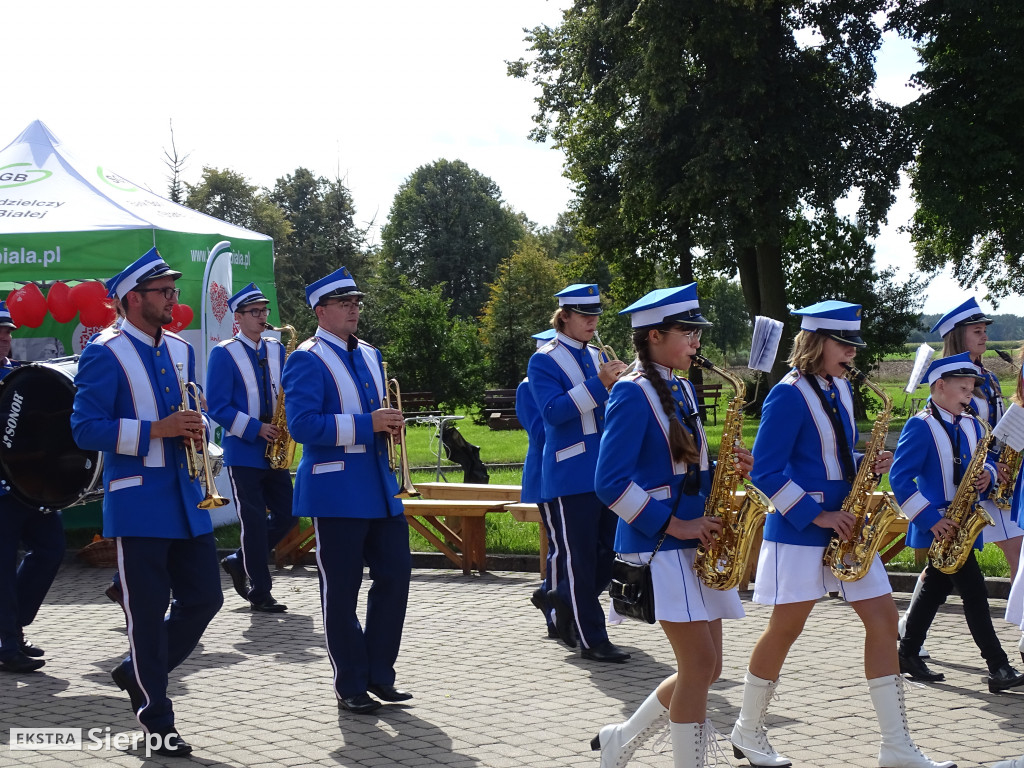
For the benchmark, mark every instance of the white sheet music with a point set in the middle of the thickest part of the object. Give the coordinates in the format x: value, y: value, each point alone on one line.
x: 1010, y: 428
x: 924, y: 354
x: 764, y: 345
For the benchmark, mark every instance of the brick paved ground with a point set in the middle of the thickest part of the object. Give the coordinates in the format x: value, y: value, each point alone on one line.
x: 490, y: 689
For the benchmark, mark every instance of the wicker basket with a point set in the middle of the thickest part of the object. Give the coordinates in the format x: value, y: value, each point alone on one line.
x: 101, y: 553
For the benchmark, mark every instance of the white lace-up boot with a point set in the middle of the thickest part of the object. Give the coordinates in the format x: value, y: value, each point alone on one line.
x: 898, y: 749
x: 688, y: 745
x: 749, y: 736
x: 618, y: 742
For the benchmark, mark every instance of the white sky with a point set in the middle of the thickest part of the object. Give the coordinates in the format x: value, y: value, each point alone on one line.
x: 370, y: 91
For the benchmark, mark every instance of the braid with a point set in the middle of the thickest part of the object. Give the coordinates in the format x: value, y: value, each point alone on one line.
x: 681, y: 442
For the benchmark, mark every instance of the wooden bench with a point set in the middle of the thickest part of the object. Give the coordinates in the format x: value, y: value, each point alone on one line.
x: 500, y: 409
x: 707, y: 401
x: 419, y: 404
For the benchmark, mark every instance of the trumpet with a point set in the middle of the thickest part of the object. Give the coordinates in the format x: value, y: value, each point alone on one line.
x: 604, y: 349
x: 192, y: 453
x: 398, y: 454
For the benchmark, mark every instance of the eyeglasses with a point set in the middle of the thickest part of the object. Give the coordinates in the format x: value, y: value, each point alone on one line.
x: 690, y: 336
x: 256, y: 312
x: 345, y: 303
x: 169, y: 293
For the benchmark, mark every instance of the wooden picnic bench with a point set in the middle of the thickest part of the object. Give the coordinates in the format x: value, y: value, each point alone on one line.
x: 419, y: 404
x: 500, y: 409
x: 707, y: 401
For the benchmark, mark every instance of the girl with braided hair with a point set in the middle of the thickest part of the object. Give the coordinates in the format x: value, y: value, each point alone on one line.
x: 653, y: 471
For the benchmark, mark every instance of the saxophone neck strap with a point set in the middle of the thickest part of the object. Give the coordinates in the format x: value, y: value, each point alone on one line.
x: 831, y: 406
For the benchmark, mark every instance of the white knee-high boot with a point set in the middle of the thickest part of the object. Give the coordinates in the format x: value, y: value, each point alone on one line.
x: 898, y: 749
x: 687, y: 745
x: 618, y: 742
x: 749, y: 736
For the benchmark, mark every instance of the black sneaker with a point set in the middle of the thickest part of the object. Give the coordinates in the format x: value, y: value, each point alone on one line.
x: 18, y: 662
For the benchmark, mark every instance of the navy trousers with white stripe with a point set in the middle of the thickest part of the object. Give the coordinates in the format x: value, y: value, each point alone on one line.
x: 363, y: 655
x: 588, y: 537
x: 153, y: 571
x: 263, y: 498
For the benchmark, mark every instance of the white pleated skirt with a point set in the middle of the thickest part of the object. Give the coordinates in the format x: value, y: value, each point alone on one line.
x: 678, y: 594
x: 793, y: 573
x: 1015, y: 602
x: 1004, y: 528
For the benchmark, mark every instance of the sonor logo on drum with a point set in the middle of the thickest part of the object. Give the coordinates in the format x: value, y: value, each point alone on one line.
x: 12, y: 419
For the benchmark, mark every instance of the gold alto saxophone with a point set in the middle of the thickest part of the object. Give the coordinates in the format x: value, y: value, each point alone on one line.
x: 280, y: 451
x: 1002, y: 495
x: 850, y: 560
x: 398, y: 454
x: 723, y: 565
x: 949, y: 555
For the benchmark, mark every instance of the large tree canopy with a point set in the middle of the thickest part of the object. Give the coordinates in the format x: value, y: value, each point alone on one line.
x: 703, y: 127
x: 448, y: 224
x: 968, y: 176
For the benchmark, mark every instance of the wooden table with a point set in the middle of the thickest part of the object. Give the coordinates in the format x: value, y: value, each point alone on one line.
x: 469, y: 491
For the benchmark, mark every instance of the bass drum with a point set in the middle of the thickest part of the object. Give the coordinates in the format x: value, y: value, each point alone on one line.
x: 39, y: 460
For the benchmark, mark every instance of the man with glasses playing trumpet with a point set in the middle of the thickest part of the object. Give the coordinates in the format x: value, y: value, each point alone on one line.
x: 130, y: 405
x: 335, y: 388
x: 243, y: 379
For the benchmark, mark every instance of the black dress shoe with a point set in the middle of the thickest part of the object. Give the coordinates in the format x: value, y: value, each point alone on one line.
x: 913, y: 666
x: 564, y: 624
x: 33, y: 651
x: 115, y: 593
x: 360, y: 704
x: 19, y: 662
x: 268, y: 605
x: 552, y: 632
x: 539, y: 598
x: 171, y: 744
x: 1004, y: 678
x: 239, y: 580
x: 605, y: 652
x: 389, y: 693
x: 125, y: 680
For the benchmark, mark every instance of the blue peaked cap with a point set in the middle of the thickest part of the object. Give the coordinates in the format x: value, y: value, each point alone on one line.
x: 248, y: 295
x: 338, y: 283
x: 953, y: 366
x: 584, y: 298
x: 149, y: 266
x: 5, y: 316
x: 838, y: 320
x: 667, y: 305
x: 967, y: 313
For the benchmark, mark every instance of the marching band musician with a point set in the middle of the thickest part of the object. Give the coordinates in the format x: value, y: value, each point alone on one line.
x: 653, y: 471
x: 804, y: 460
x: 23, y: 586
x: 129, y: 404
x: 1015, y: 602
x: 530, y: 419
x: 243, y: 378
x: 334, y: 386
x: 570, y: 387
x: 935, y: 447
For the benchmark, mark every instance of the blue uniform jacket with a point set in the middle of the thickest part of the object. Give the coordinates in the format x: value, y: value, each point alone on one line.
x: 529, y: 417
x: 796, y: 457
x: 922, y: 470
x: 125, y: 382
x: 237, y: 387
x: 330, y: 393
x: 563, y: 377
x: 636, y: 476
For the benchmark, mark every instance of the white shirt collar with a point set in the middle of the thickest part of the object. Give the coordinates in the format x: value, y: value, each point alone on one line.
x: 253, y: 345
x: 140, y: 335
x: 326, y: 335
x: 571, y: 342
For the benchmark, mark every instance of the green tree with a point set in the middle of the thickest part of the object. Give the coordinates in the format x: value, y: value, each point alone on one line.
x: 968, y: 175
x: 702, y: 127
x: 323, y: 238
x: 520, y: 305
x: 723, y: 304
x: 448, y: 225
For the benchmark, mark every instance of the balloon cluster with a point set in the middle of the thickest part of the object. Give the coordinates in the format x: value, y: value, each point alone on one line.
x: 88, y: 300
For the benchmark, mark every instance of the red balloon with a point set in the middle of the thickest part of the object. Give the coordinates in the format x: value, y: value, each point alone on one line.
x: 181, y: 316
x: 90, y: 299
x: 27, y: 306
x: 58, y: 299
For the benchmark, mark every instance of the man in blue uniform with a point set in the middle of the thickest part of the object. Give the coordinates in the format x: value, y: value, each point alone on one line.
x: 934, y: 449
x: 570, y: 387
x: 23, y: 587
x: 243, y: 378
x: 334, y: 386
x: 131, y: 384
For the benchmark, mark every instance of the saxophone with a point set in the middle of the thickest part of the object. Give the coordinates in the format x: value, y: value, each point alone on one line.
x: 281, y: 452
x: 723, y: 565
x: 949, y: 555
x: 1003, y: 493
x: 850, y: 560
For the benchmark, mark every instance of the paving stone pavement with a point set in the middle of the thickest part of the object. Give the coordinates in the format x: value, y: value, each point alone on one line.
x: 490, y: 689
